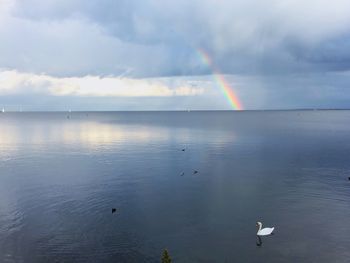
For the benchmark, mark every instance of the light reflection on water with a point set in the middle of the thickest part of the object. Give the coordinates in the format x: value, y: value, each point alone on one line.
x: 60, y: 178
x: 92, y: 134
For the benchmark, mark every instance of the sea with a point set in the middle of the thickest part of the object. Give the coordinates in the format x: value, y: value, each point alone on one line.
x: 194, y: 183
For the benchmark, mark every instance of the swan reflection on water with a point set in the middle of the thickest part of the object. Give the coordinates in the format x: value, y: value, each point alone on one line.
x: 258, y: 241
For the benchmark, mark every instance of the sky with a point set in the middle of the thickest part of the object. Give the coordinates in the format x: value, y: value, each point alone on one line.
x: 174, y: 55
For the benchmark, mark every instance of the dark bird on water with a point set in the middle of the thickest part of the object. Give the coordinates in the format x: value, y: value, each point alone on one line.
x: 195, y: 172
x: 183, y: 150
x: 349, y: 178
x: 114, y: 210
x: 183, y: 173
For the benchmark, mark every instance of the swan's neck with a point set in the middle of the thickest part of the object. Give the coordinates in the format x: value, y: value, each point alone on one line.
x: 260, y: 226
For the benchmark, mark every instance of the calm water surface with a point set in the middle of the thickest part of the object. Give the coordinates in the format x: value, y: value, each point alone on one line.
x: 60, y: 177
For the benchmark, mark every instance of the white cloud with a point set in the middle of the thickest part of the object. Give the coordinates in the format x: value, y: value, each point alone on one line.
x: 13, y: 82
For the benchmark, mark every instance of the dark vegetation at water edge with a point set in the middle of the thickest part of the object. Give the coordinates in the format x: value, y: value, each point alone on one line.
x: 166, y: 257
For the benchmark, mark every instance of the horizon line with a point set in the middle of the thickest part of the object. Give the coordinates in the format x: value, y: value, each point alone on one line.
x: 189, y: 110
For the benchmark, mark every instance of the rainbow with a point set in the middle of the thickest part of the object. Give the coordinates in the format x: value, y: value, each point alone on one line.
x: 220, y: 80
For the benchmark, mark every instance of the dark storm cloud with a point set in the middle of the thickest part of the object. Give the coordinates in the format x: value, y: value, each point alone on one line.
x: 329, y: 55
x: 159, y: 38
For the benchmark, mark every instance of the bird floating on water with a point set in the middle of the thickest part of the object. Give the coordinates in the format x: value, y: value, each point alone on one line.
x: 183, y: 150
x: 264, y: 231
x: 183, y: 173
x: 195, y: 172
x: 114, y: 210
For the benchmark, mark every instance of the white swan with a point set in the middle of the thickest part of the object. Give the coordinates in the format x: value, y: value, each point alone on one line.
x: 265, y: 231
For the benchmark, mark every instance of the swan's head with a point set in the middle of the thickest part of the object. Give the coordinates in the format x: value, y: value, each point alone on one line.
x: 258, y: 224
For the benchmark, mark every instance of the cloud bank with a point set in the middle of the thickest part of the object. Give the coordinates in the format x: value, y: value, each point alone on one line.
x: 13, y: 82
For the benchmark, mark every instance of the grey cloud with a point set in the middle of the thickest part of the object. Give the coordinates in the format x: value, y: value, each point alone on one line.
x: 159, y: 37
x: 331, y: 55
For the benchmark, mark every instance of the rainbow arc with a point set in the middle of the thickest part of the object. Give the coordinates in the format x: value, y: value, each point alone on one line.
x: 225, y: 87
